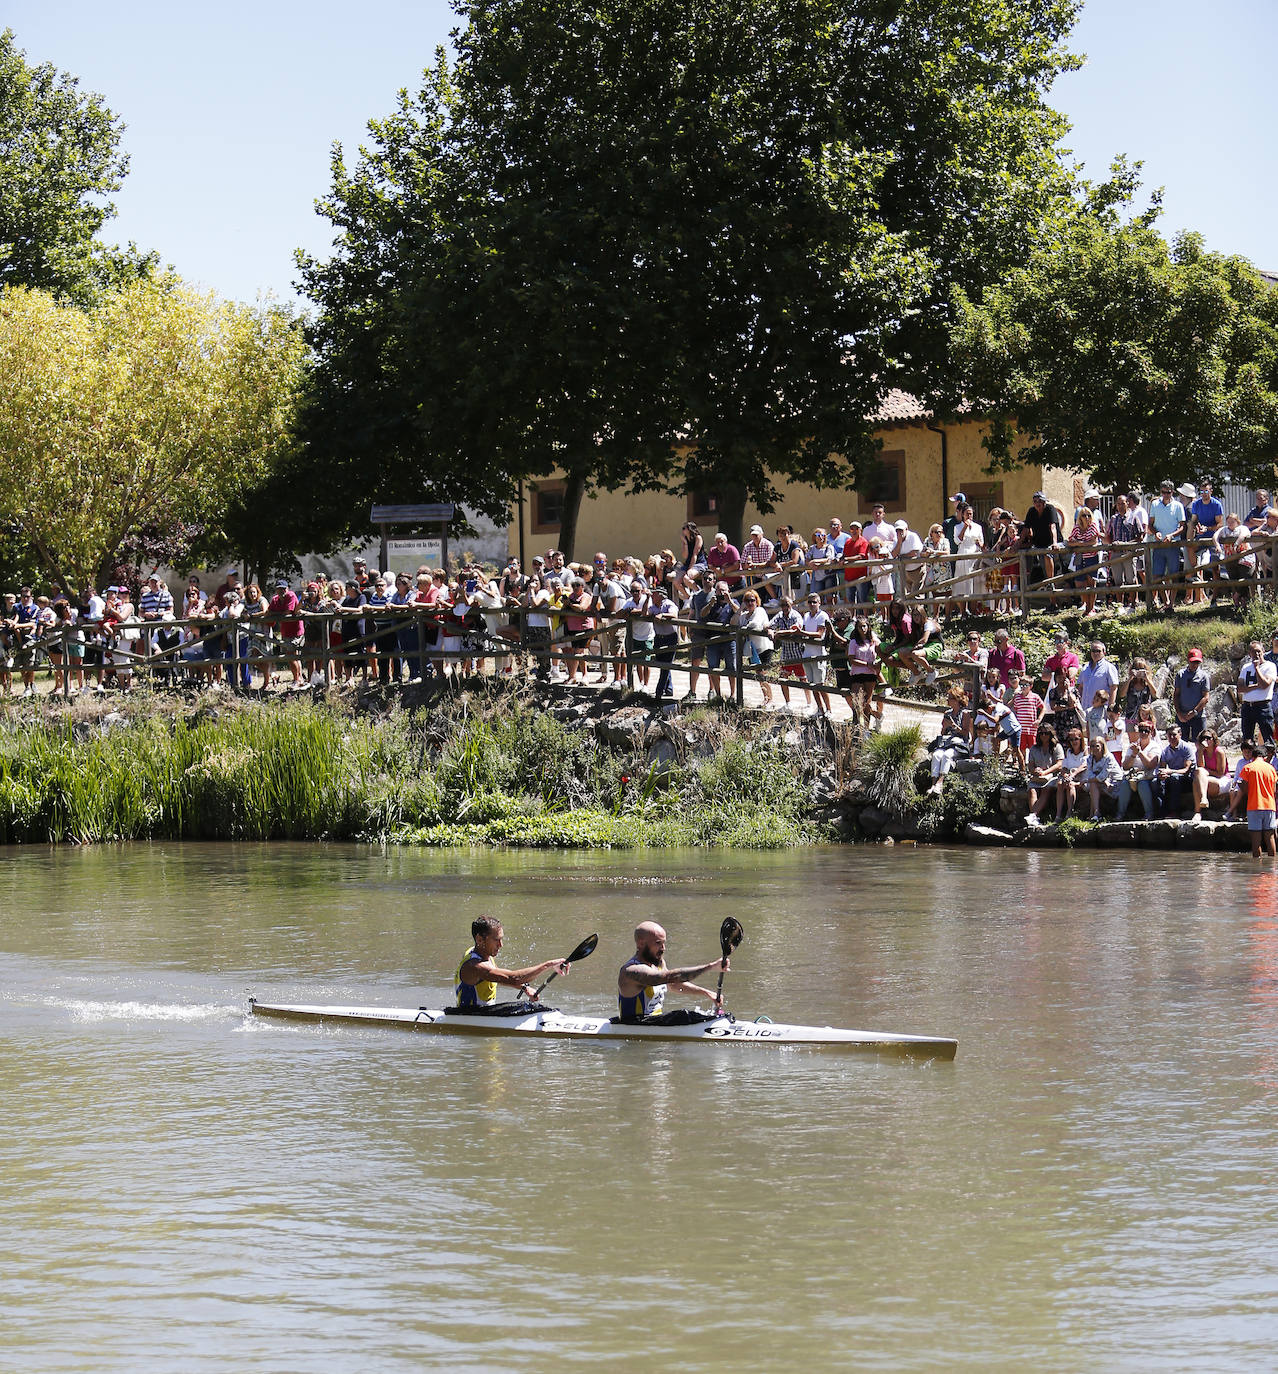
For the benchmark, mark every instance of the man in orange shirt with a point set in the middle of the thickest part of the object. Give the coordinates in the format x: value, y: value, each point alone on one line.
x: 1260, y: 780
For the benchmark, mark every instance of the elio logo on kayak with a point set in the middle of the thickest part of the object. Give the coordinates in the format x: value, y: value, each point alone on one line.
x: 737, y: 1032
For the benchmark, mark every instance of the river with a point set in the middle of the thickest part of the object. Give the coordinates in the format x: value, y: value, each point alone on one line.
x: 1090, y: 1185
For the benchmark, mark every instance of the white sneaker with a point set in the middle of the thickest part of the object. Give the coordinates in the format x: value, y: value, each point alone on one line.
x: 1196, y: 818
x: 1033, y: 821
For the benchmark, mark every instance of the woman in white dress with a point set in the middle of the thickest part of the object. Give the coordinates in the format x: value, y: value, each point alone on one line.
x: 969, y: 541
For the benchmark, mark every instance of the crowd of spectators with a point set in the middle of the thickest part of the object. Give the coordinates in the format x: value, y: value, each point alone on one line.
x: 855, y: 610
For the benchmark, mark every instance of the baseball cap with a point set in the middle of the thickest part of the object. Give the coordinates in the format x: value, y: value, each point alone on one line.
x: 1039, y: 496
x: 900, y: 525
x: 1195, y: 655
x: 958, y: 496
x: 281, y: 584
x: 756, y: 529
x: 855, y: 525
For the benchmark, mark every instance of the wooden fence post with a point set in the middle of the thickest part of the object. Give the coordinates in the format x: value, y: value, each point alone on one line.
x: 1022, y: 564
x: 326, y: 646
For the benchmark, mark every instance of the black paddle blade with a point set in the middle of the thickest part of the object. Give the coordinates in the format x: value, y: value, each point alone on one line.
x: 586, y: 947
x: 730, y: 935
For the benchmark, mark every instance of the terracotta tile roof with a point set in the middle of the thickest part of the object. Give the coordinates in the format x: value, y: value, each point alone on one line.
x: 899, y: 406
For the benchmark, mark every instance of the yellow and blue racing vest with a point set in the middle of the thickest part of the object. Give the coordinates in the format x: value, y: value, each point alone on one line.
x: 647, y: 1002
x: 468, y: 996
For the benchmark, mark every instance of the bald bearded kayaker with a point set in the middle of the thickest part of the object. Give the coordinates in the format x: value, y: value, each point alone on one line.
x: 644, y: 978
x: 478, y: 976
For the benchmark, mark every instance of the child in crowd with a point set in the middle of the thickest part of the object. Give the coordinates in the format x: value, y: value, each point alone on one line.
x: 1001, y: 724
x: 1029, y: 709
x: 1260, y: 780
x: 1096, y: 714
x: 1116, y: 737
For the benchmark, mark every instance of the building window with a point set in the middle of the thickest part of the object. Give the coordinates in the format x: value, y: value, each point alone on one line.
x: 886, y: 484
x: 703, y: 507
x: 547, y: 507
x: 983, y: 497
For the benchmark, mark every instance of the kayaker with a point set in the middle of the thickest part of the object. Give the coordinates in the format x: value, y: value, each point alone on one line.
x: 644, y: 978
x: 478, y: 976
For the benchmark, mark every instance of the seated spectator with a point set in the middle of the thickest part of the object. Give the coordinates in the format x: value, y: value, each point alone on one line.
x: 1140, y: 765
x: 1043, y: 764
x: 1211, y: 775
x: 1175, y: 771
x: 1072, y: 774
x: 954, y: 741
x: 972, y: 653
x: 724, y: 560
x: 1102, y: 775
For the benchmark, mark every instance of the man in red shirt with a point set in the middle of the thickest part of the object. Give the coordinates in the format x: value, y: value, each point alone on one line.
x: 1006, y: 657
x: 725, y: 559
x: 285, y: 603
x: 860, y: 588
x: 1061, y: 659
x: 1260, y: 780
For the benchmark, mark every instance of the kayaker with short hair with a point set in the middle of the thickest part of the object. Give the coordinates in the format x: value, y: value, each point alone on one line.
x: 644, y: 978
x: 478, y: 976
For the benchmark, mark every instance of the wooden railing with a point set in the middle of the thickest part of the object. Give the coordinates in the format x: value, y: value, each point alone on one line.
x: 237, y: 648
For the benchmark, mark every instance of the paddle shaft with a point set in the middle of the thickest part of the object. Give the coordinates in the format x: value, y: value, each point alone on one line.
x: 583, y: 951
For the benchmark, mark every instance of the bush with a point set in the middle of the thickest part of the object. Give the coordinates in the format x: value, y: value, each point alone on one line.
x: 886, y: 767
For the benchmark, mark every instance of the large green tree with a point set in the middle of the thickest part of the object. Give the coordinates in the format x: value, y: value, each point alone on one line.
x: 156, y: 409
x: 60, y: 161
x: 1122, y: 356
x: 615, y: 227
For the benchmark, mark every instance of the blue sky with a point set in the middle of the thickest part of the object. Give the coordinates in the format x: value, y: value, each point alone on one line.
x: 231, y: 113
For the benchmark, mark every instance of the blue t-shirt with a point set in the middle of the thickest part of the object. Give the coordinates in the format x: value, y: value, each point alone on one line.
x: 1208, y: 513
x: 1178, y: 755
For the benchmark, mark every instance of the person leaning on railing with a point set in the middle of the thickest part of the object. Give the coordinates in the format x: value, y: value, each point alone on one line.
x: 534, y: 600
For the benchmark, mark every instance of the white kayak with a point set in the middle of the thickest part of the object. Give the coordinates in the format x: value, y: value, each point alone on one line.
x: 719, y: 1030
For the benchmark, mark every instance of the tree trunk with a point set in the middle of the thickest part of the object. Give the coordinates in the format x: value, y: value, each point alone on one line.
x: 574, y: 489
x: 730, y: 504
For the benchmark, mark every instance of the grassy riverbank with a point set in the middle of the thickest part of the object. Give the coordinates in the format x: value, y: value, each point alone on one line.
x: 486, y: 768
